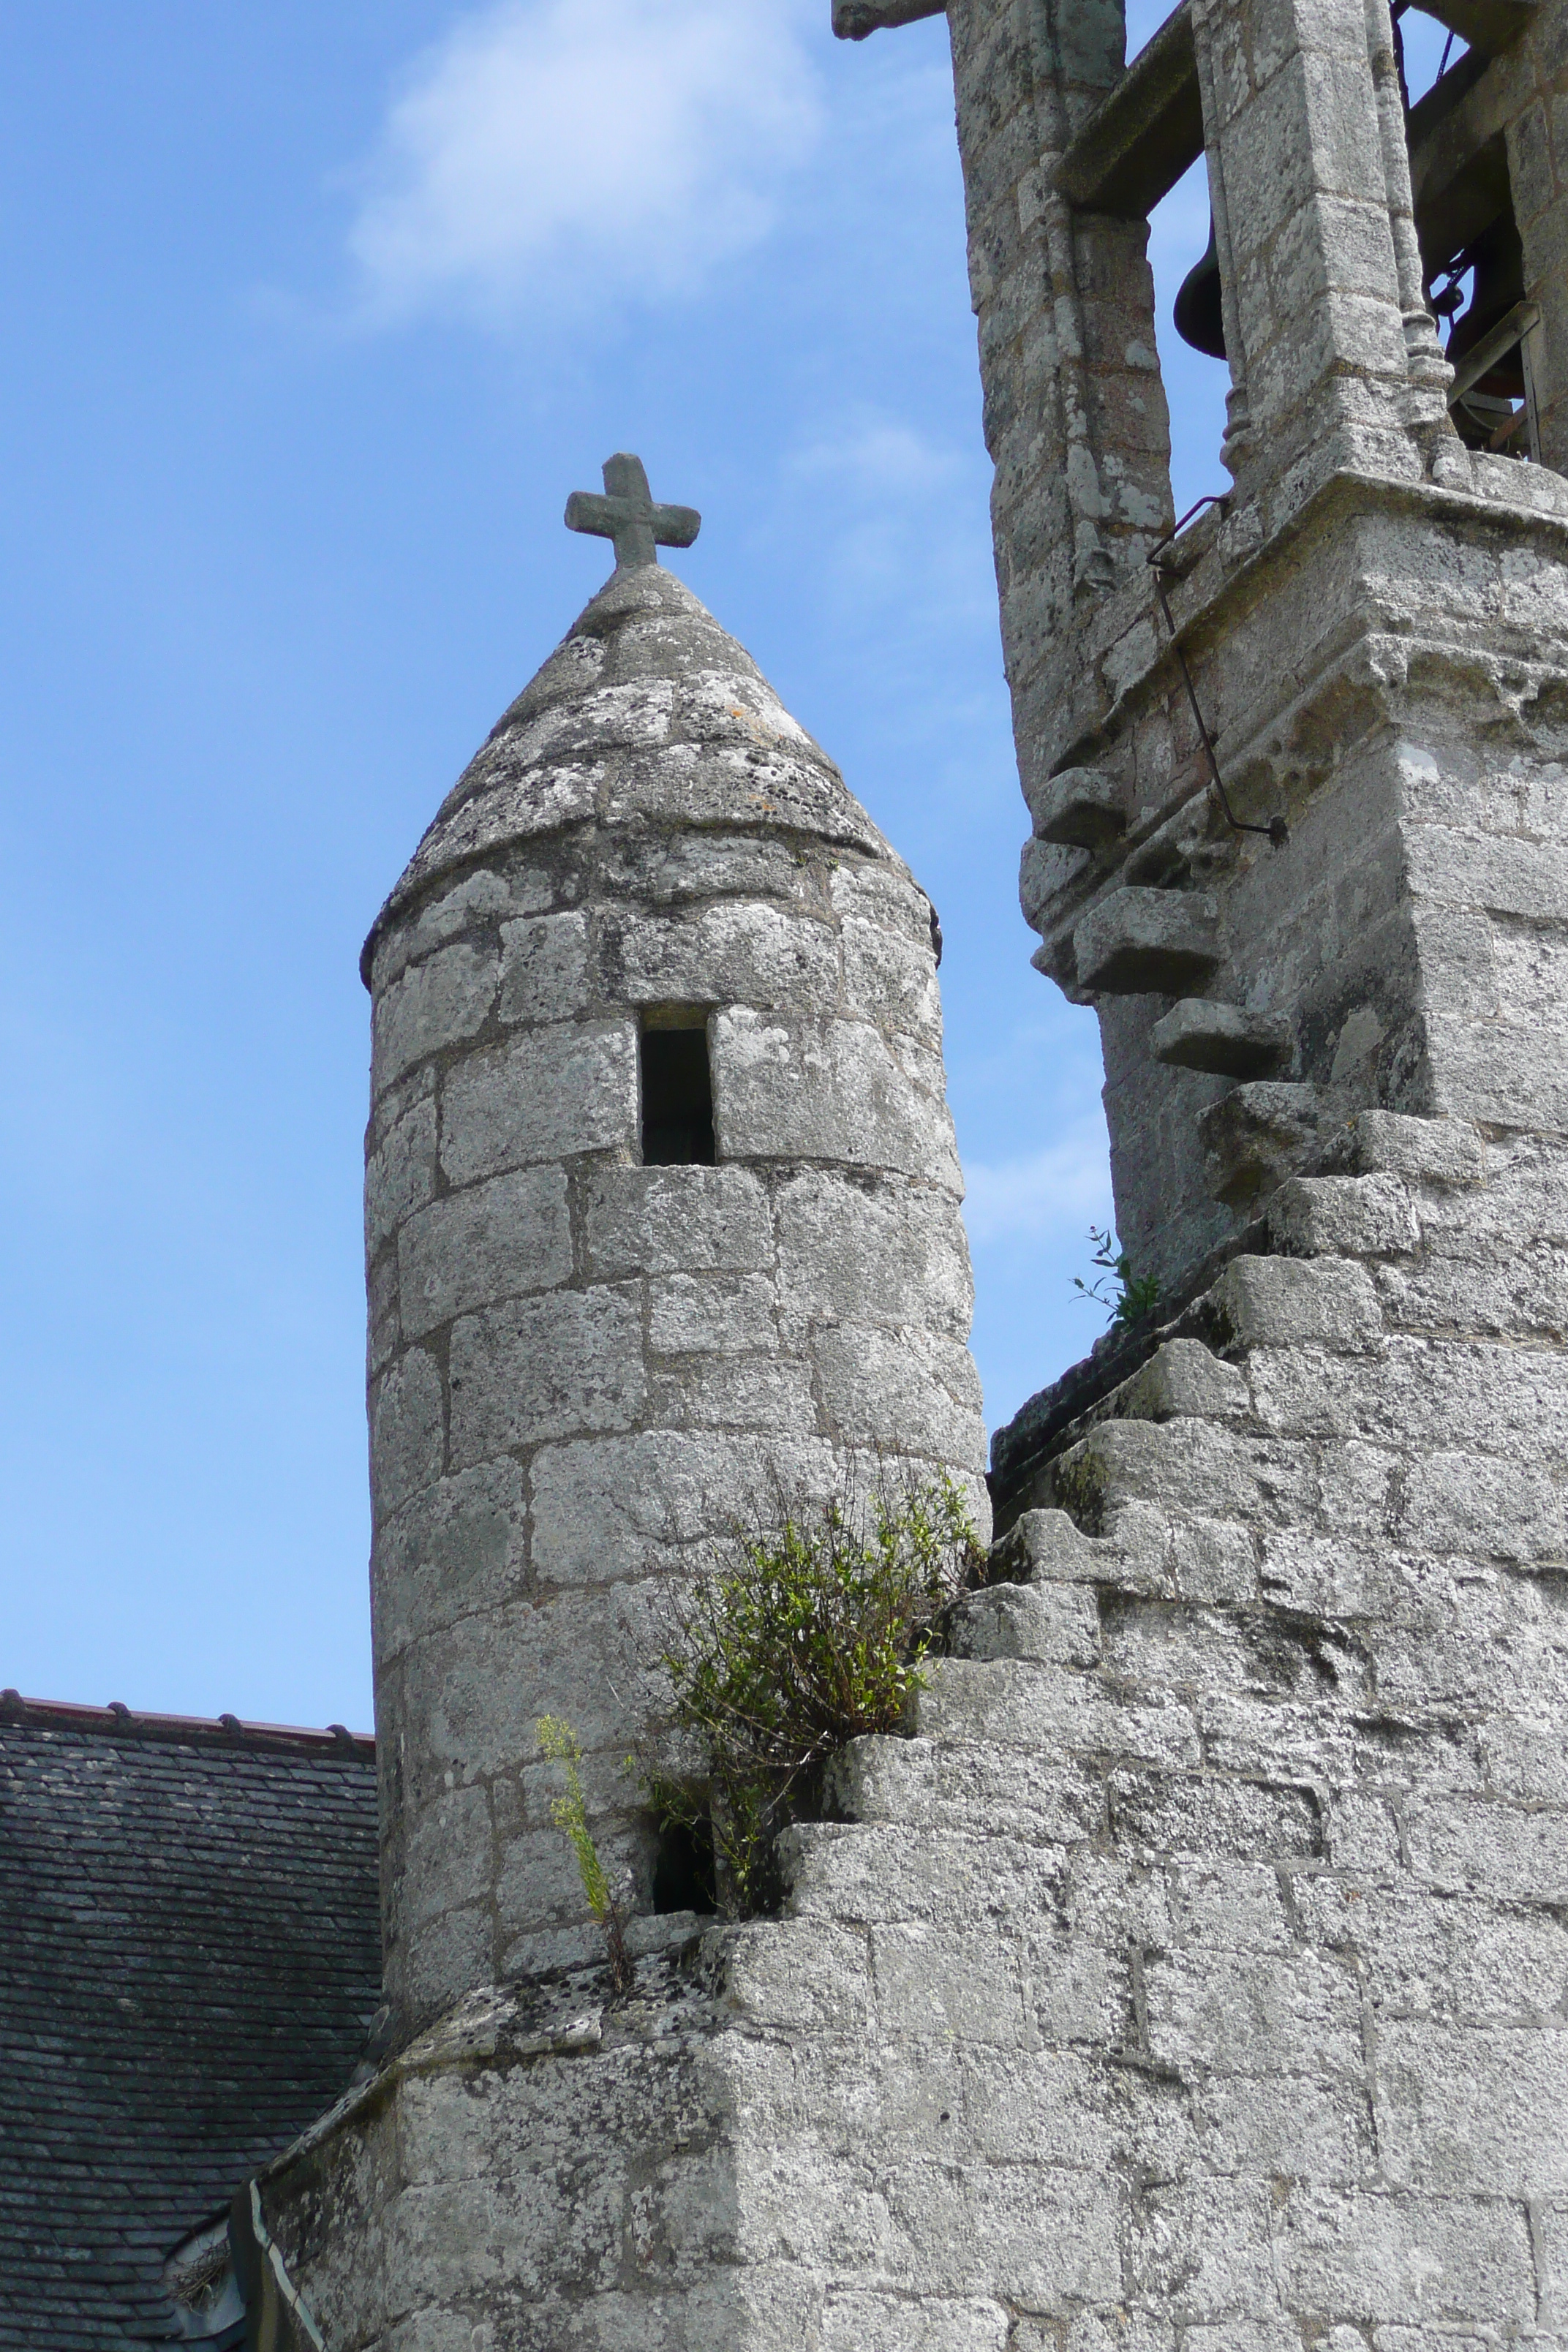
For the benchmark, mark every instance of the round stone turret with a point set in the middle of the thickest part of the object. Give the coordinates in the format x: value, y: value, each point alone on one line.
x: 662, y: 1208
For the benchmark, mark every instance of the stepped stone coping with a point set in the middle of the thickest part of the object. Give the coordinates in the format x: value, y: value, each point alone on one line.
x: 1040, y: 1427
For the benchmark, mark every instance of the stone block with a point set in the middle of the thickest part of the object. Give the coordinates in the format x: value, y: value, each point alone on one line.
x: 407, y: 1431
x: 543, y: 968
x: 1345, y: 1216
x: 910, y: 1390
x: 785, y: 1088
x: 1473, y: 1846
x: 1289, y: 2128
x: 1232, y: 1908
x: 1226, y: 1040
x: 1030, y: 1705
x: 1212, y: 1560
x: 1049, y: 1547
x: 1202, y: 1818
x: 456, y: 1546
x: 1181, y: 1377
x: 1413, y: 2259
x: 801, y: 1977
x: 1079, y: 808
x: 892, y: 979
x: 1446, y: 1152
x: 932, y: 1985
x: 1492, y: 1509
x: 1060, y: 1622
x: 1204, y: 2245
x: 532, y: 1369
x: 1257, y: 2013
x: 448, y: 1862
x: 1040, y: 2106
x: 474, y: 1692
x: 886, y: 1254
x: 436, y: 1004
x: 544, y: 1095
x: 495, y: 1241
x: 1254, y: 1137
x: 400, y: 1174
x: 1041, y: 2236
x: 1140, y: 942
x: 603, y: 1508
x: 736, y: 952
x: 665, y: 1221
x: 702, y: 1313
x: 1473, y: 2112
x: 876, y: 893
x: 1278, y: 1302
x: 1174, y: 1469
x: 764, y: 1393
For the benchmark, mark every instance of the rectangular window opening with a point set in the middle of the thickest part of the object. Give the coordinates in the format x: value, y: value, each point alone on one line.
x: 677, y: 1088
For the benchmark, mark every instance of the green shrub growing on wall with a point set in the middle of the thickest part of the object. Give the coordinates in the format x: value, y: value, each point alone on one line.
x: 800, y: 1637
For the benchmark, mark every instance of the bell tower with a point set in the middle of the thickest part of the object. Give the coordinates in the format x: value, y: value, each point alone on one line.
x: 1290, y: 765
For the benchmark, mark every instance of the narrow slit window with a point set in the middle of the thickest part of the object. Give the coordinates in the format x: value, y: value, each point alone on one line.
x: 677, y: 1091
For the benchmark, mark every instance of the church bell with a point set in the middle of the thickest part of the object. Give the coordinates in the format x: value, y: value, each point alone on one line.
x: 1197, y: 306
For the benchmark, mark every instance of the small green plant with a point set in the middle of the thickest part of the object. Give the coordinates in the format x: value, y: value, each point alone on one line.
x: 570, y: 1815
x: 1130, y: 1297
x: 800, y: 1637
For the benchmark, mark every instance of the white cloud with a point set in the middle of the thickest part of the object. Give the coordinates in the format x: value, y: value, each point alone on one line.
x: 879, y: 457
x: 1031, y: 1199
x: 579, y: 152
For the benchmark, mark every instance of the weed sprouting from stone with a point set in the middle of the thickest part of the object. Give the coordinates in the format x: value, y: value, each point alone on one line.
x: 570, y: 1815
x: 1130, y: 1297
x: 801, y: 1636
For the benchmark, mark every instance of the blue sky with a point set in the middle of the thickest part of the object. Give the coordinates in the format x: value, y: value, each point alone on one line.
x: 315, y: 315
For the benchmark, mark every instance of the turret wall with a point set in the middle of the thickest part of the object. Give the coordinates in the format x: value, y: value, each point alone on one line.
x: 585, y: 1370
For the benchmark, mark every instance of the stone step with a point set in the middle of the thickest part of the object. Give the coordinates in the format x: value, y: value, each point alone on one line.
x: 1225, y: 1039
x: 1148, y: 1552
x: 971, y: 1786
x: 1079, y: 809
x: 1142, y: 942
x: 1055, y: 1622
x: 1061, y: 1712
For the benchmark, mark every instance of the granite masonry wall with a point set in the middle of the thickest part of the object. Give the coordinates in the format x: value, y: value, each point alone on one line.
x: 1192, y: 1976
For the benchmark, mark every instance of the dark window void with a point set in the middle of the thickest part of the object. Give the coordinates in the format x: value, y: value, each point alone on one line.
x: 676, y: 1095
x: 683, y: 1878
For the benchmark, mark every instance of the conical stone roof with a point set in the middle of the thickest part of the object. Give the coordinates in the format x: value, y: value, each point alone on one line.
x: 647, y: 715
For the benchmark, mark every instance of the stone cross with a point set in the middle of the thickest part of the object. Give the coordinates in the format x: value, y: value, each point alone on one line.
x: 627, y: 515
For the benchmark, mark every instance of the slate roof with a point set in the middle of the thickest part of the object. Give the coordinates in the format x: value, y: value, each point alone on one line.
x: 189, y: 1963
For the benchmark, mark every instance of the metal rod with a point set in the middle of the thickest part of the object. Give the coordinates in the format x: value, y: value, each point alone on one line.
x: 1277, y: 830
